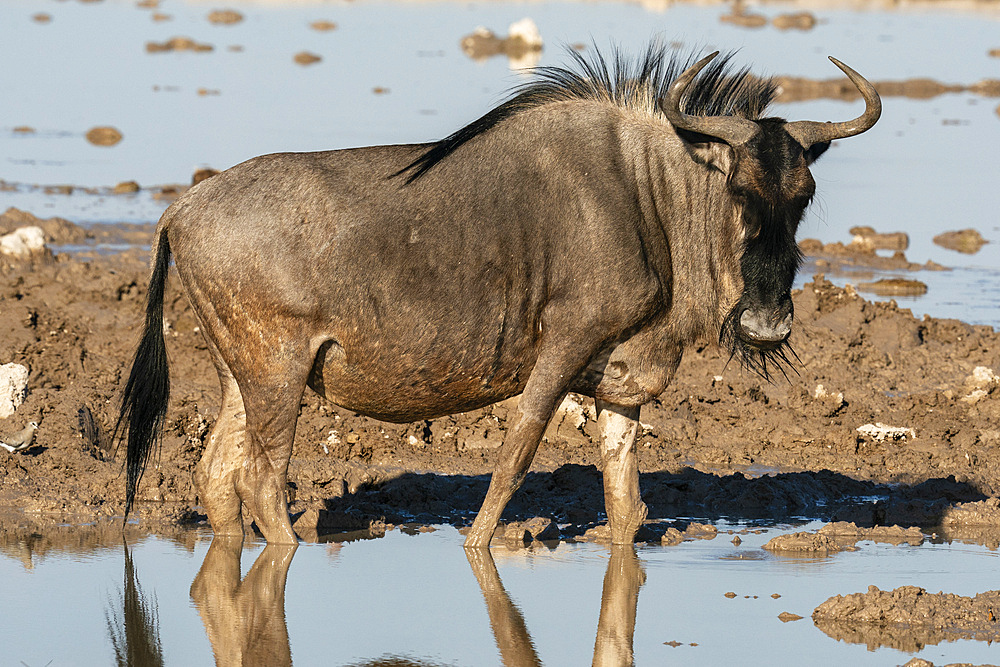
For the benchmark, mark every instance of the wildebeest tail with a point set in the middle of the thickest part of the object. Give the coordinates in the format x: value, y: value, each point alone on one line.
x: 144, y: 400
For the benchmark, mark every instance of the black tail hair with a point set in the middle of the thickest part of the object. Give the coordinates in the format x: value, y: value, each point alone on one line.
x: 144, y: 400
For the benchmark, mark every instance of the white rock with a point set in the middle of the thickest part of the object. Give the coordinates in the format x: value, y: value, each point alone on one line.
x: 526, y: 30
x: 880, y: 432
x: 982, y: 376
x: 822, y: 394
x: 22, y: 242
x: 13, y: 388
x: 976, y: 396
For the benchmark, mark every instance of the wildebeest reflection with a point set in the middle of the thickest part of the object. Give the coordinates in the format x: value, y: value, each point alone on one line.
x: 575, y: 238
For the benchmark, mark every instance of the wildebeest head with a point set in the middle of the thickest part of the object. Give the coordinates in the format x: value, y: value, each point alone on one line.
x: 767, y: 166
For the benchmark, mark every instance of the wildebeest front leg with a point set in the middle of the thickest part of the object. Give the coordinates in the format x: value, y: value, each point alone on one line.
x: 548, y: 383
x: 618, y: 427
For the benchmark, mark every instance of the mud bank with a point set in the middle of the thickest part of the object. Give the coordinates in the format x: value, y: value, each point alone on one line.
x: 719, y: 441
x: 909, y: 618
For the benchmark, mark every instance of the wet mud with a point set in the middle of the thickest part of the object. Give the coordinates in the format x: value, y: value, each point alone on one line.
x: 909, y: 618
x: 861, y: 253
x: 719, y: 441
x: 798, y: 89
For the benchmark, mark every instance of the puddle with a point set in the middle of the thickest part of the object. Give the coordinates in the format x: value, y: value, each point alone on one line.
x: 424, y: 599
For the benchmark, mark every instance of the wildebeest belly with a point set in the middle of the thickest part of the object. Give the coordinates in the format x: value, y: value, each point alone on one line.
x: 426, y: 372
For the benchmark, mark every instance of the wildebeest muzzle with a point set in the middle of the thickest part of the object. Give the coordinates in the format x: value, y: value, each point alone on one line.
x: 766, y: 328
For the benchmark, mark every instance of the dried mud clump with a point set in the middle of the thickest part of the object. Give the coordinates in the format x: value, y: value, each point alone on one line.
x: 522, y: 45
x: 739, y: 16
x: 894, y: 287
x: 798, y: 89
x: 306, y: 58
x: 126, y: 188
x: 868, y: 237
x: 842, y: 536
x: 795, y: 21
x: 224, y: 17
x: 908, y: 618
x: 968, y: 241
x: 104, y: 136
x: 202, y: 174
x: 178, y: 44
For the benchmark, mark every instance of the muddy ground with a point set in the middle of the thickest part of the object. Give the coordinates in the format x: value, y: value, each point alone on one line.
x: 719, y: 442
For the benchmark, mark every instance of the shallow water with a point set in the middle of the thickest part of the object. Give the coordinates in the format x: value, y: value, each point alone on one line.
x: 423, y: 598
x: 926, y: 167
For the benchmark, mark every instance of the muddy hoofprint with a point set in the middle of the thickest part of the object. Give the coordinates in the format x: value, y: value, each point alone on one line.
x: 576, y: 238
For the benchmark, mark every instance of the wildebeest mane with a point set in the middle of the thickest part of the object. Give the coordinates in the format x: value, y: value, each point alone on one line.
x: 640, y: 84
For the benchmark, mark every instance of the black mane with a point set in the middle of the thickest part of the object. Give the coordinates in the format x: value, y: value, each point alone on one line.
x: 719, y: 90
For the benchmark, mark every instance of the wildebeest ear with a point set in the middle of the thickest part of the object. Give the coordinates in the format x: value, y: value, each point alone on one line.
x: 709, y: 152
x: 813, y: 152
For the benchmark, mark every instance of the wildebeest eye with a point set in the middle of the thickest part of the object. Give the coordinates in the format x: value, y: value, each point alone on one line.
x: 751, y: 230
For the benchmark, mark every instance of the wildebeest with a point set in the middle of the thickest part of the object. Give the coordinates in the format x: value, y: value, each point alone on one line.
x: 575, y: 238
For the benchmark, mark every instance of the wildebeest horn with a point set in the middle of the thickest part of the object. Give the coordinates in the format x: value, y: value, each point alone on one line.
x: 730, y: 129
x: 809, y: 132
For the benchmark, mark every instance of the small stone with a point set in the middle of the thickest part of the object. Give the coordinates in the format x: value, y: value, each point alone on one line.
x: 516, y: 535
x: 225, y: 17
x: 672, y: 537
x: 323, y: 26
x: 797, y: 21
x: 701, y: 531
x: 737, y: 541
x: 967, y: 241
x: 894, y: 287
x: 126, y: 188
x: 306, y: 58
x: 178, y: 44
x: 41, y: 17
x: 203, y: 173
x: 787, y: 616
x: 730, y: 595
x: 775, y: 596
x: 104, y: 136
x: 537, y: 528
x: 601, y: 533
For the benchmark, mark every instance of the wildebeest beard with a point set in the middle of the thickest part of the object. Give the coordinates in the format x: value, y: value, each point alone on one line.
x: 770, y: 261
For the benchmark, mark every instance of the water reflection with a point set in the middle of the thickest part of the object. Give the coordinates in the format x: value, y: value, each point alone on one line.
x: 132, y: 622
x: 244, y: 620
x: 615, y: 627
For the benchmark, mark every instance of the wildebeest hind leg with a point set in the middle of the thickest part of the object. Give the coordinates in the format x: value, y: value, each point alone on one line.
x: 272, y: 409
x: 618, y: 427
x: 215, y: 474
